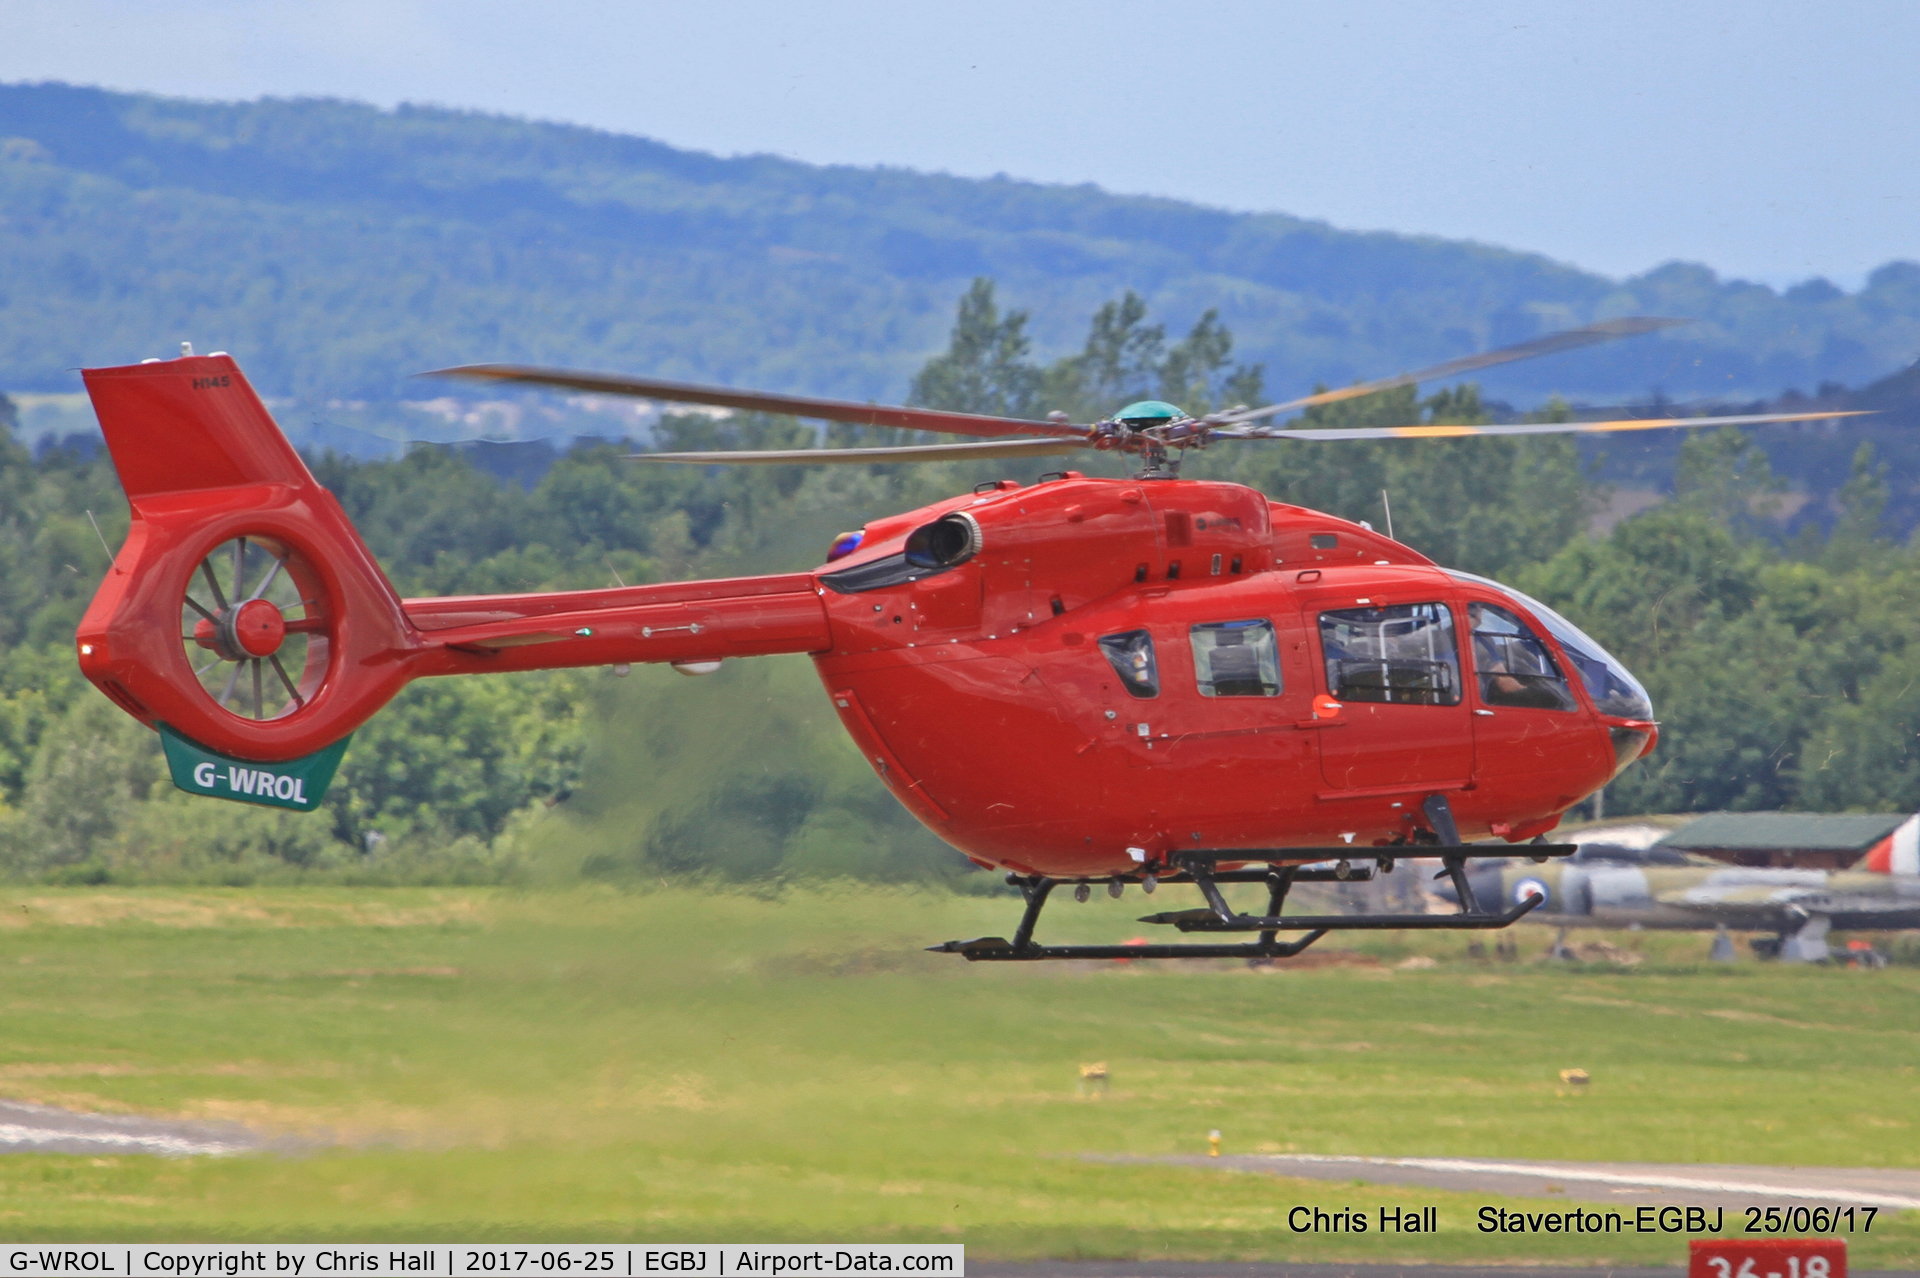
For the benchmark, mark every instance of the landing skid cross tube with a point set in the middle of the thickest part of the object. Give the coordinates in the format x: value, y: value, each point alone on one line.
x: 1199, y: 869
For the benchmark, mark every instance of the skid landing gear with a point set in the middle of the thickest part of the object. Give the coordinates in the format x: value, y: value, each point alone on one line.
x: 1200, y: 869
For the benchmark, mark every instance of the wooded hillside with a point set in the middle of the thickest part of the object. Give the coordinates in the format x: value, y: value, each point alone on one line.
x: 336, y: 248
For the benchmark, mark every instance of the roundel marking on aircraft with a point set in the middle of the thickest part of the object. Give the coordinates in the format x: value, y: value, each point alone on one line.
x: 1527, y: 888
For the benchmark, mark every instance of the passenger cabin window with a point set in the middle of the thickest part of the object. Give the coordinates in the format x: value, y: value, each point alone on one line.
x: 1513, y: 665
x: 1236, y: 659
x: 1402, y: 654
x: 1131, y: 655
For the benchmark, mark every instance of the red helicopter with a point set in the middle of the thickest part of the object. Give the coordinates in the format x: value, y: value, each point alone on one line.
x: 1082, y: 680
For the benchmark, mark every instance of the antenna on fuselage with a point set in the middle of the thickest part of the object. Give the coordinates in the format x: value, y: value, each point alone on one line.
x: 1388, y: 507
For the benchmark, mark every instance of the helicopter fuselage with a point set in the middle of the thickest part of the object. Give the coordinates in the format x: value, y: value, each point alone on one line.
x: 1076, y: 678
x: 989, y: 698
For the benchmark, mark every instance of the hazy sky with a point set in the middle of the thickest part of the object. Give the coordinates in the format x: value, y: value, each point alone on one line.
x: 1771, y: 141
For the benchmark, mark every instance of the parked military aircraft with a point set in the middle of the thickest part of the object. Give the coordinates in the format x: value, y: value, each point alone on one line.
x: 1609, y: 885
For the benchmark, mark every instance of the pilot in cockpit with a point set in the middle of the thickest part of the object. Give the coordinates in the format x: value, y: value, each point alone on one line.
x: 1514, y: 667
x: 1497, y: 682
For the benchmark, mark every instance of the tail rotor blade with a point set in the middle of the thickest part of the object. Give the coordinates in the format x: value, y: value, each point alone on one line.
x: 272, y: 572
x: 213, y: 584
x: 287, y: 681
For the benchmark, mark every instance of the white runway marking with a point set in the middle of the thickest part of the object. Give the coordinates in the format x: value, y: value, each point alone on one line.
x: 42, y: 1129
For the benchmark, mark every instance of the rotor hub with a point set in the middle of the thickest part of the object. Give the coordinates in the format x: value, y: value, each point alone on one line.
x: 258, y: 628
x: 244, y: 632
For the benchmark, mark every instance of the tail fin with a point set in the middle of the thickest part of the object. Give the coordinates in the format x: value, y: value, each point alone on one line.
x: 186, y: 424
x: 1898, y: 853
x: 244, y: 613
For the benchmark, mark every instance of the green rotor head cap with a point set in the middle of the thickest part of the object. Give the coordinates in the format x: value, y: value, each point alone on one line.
x: 1148, y: 412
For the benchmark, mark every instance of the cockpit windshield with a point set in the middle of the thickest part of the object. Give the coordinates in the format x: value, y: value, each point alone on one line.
x: 1614, y: 689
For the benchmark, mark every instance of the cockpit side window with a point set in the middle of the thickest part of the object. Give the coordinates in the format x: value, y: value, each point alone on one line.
x: 1236, y: 659
x: 1131, y: 655
x: 1403, y: 654
x: 1513, y: 665
x: 1613, y: 688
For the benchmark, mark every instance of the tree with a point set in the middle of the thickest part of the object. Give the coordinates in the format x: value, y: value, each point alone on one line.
x: 1866, y: 755
x: 1683, y: 602
x: 1190, y: 373
x: 1120, y: 362
x: 92, y: 768
x: 985, y: 368
x: 1858, y: 534
x: 1725, y: 474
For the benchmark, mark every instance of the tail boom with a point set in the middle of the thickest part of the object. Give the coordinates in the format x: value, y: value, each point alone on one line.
x: 205, y: 468
x: 677, y: 621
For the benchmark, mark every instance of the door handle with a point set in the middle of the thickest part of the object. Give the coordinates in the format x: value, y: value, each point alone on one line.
x: 1487, y: 713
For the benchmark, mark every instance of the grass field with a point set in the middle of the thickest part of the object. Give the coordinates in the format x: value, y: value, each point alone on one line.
x: 678, y: 1066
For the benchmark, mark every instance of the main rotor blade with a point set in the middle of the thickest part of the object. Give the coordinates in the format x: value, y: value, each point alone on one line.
x: 833, y: 410
x: 864, y: 456
x: 1522, y: 428
x: 1551, y: 344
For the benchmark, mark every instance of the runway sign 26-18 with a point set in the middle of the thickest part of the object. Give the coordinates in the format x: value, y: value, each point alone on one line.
x: 1768, y: 1258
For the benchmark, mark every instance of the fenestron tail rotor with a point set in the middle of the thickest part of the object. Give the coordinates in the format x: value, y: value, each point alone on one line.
x: 256, y: 627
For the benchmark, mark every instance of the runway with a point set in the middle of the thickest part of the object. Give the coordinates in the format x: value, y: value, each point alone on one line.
x: 40, y: 1129
x: 1621, y: 1184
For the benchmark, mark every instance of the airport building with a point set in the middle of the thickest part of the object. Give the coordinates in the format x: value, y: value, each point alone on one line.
x: 1885, y: 842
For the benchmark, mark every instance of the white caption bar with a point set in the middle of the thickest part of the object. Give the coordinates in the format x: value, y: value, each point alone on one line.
x: 454, y: 1260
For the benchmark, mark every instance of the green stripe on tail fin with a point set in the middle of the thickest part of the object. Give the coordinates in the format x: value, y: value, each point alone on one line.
x: 298, y: 784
